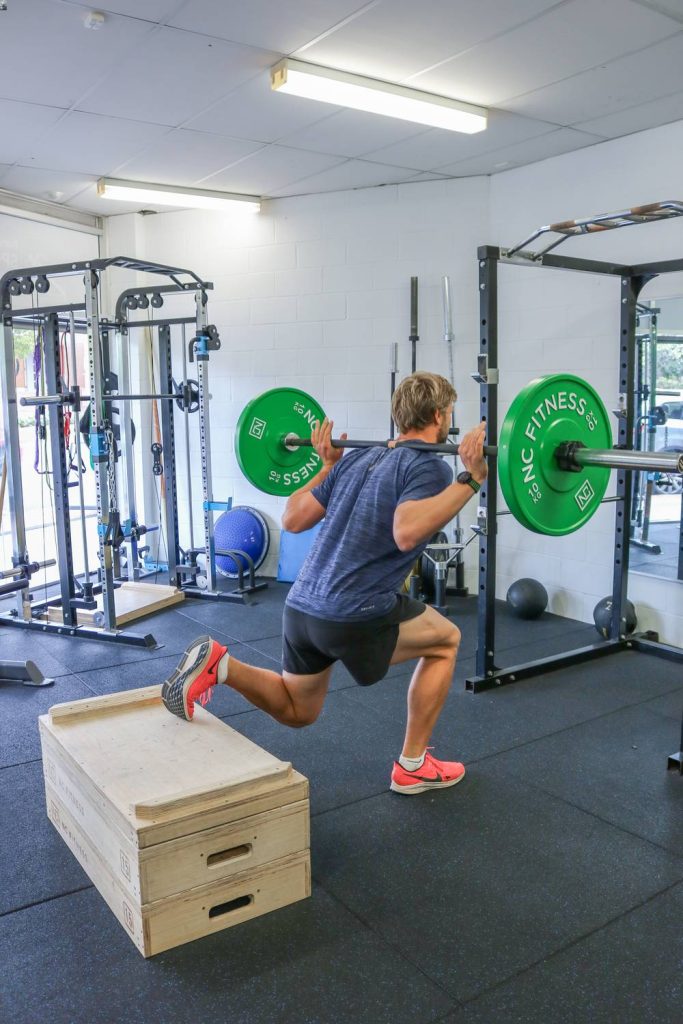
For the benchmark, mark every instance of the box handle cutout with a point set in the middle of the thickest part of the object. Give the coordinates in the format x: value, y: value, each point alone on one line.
x: 226, y: 908
x: 214, y: 860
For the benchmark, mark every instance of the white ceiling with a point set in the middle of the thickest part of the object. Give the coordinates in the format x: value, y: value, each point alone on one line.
x: 178, y: 91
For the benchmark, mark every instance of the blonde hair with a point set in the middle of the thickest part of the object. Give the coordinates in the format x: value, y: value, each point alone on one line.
x: 417, y: 399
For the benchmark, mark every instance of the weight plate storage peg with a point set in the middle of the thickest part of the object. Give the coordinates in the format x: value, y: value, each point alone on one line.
x: 260, y: 440
x: 547, y: 412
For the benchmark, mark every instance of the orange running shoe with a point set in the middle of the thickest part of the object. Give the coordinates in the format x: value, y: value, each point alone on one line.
x: 432, y: 775
x: 194, y: 678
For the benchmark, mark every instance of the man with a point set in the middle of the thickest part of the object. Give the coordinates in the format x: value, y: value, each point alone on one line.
x: 380, y: 508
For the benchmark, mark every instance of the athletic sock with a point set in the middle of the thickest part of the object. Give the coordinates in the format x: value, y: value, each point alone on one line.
x: 411, y: 764
x: 222, y: 670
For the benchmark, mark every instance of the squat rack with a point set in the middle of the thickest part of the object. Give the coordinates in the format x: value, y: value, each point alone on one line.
x: 632, y: 280
x: 112, y: 531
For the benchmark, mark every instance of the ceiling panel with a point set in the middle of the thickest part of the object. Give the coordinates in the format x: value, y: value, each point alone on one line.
x: 269, y: 24
x: 351, y: 174
x: 434, y: 148
x: 273, y: 167
x: 398, y: 38
x: 672, y: 7
x: 567, y: 40
x: 87, y: 200
x: 352, y: 133
x: 90, y: 143
x: 564, y: 140
x: 48, y: 56
x: 655, y: 71
x: 174, y: 77
x: 636, y: 119
x: 21, y: 124
x: 426, y: 176
x: 178, y: 90
x: 36, y: 181
x: 254, y: 111
x: 185, y: 157
x: 149, y: 10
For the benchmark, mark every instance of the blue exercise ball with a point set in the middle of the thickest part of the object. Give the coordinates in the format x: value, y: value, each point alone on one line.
x: 240, y: 529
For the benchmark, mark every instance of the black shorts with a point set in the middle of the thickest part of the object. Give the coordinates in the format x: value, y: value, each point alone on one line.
x: 310, y: 645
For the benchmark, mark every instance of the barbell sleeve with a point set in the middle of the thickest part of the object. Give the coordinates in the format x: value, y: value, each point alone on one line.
x: 46, y: 400
x: 28, y: 568
x: 615, y: 458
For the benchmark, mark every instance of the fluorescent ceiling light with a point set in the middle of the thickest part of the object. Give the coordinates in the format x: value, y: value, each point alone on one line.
x: 167, y: 195
x: 346, y: 90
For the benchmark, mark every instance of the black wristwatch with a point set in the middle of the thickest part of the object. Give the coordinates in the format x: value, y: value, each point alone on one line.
x: 466, y: 478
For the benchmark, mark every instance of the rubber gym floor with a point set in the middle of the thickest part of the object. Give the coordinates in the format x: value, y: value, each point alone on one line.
x: 547, y: 886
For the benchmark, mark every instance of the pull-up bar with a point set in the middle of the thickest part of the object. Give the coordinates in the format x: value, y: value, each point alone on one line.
x: 601, y: 222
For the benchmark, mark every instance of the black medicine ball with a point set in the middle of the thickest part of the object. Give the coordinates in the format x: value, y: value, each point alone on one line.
x: 527, y: 598
x: 602, y: 616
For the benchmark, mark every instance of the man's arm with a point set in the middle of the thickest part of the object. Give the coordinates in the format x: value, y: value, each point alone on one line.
x: 303, y: 510
x: 416, y: 521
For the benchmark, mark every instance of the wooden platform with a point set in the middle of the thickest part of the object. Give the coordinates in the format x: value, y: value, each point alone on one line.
x: 184, y: 827
x: 132, y: 600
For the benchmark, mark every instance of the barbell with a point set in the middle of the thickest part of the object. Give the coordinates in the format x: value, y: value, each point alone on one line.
x: 554, y: 457
x: 185, y: 396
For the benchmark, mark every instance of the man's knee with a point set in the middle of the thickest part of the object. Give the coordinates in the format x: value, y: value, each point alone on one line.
x: 299, y: 718
x: 454, y: 638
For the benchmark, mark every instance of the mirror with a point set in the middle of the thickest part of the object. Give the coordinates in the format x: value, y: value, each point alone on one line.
x: 657, y: 497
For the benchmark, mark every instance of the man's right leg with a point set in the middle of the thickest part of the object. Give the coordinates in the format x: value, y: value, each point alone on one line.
x: 434, y: 641
x: 294, y: 700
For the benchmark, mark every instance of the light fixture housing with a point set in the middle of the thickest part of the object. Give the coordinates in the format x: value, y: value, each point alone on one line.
x: 346, y: 90
x: 169, y: 195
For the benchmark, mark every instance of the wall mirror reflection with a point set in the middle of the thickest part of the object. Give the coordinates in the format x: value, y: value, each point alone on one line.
x: 656, y: 520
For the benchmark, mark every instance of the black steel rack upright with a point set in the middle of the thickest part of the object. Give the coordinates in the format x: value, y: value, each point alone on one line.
x: 632, y: 279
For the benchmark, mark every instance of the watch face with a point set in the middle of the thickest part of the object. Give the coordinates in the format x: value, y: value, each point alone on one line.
x: 464, y: 477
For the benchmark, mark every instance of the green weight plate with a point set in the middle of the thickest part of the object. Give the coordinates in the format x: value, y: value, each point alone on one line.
x: 540, y: 495
x: 259, y: 440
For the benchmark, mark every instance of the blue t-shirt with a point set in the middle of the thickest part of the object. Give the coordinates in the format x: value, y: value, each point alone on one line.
x: 354, y: 569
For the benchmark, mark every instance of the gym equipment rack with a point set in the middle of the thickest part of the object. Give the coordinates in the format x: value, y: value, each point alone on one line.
x: 632, y: 279
x: 104, y: 387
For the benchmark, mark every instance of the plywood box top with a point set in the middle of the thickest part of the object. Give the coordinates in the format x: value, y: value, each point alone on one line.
x: 154, y: 769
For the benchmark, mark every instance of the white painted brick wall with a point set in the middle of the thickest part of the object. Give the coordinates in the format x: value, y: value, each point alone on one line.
x: 314, y: 291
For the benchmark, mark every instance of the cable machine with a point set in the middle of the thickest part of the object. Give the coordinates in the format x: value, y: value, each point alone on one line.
x: 117, y: 529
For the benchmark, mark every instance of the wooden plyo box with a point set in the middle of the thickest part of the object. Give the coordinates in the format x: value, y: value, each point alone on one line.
x: 185, y: 828
x: 132, y: 600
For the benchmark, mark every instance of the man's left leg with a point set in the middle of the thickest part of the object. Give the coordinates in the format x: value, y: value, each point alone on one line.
x: 294, y: 700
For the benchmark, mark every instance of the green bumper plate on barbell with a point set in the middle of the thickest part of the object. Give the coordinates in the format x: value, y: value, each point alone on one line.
x: 548, y: 411
x: 261, y: 452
